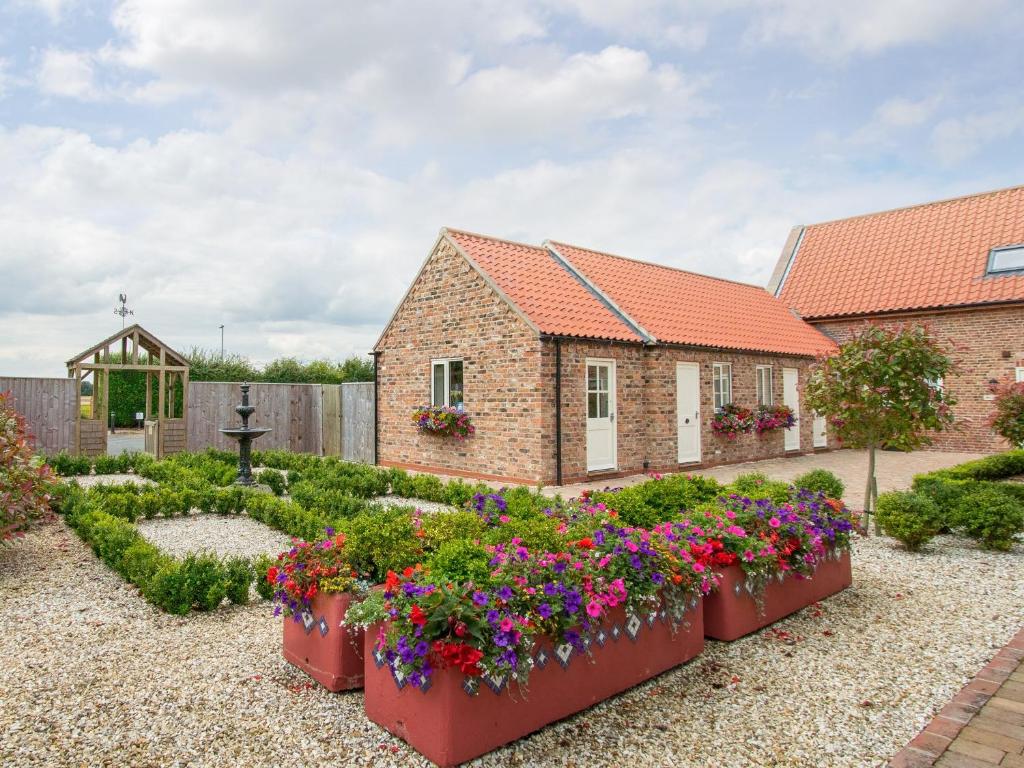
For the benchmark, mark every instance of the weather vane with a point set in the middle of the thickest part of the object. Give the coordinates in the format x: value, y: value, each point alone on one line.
x: 123, y: 310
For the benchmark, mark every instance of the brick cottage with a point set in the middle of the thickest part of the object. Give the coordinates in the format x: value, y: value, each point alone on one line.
x: 955, y: 265
x: 574, y: 364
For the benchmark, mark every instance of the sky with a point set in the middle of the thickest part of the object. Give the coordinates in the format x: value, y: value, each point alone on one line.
x: 283, y: 168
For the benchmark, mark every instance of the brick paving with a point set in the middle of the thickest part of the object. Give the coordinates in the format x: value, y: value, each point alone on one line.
x: 895, y: 470
x: 983, y: 725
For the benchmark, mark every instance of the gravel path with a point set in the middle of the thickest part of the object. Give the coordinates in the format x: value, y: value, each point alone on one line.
x: 429, y: 507
x: 93, y: 675
x: 87, y: 481
x: 221, y: 534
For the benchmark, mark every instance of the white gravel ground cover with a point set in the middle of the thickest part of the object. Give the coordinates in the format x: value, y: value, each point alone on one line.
x: 87, y: 481
x: 94, y: 675
x: 223, y: 535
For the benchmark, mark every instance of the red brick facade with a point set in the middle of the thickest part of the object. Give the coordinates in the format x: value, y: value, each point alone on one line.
x: 987, y: 343
x: 509, y: 378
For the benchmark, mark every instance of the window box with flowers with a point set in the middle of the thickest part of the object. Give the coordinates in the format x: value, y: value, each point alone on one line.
x: 772, y: 417
x: 314, y: 587
x: 445, y: 421
x: 773, y: 560
x: 459, y: 670
x: 732, y: 420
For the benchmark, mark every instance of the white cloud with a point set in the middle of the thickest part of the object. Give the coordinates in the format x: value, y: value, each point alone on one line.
x: 67, y: 73
x: 958, y: 139
x: 835, y: 30
x: 893, y: 117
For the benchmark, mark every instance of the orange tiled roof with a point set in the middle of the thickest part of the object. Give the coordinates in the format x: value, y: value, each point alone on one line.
x: 926, y: 256
x: 555, y: 301
x: 679, y: 307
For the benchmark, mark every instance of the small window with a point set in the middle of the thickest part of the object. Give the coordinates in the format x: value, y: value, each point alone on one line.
x: 446, y: 383
x: 721, y: 375
x: 597, y: 392
x: 764, y: 385
x: 1009, y: 258
x: 1018, y: 373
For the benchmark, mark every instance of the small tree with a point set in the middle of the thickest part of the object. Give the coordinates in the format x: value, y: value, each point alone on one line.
x: 1007, y: 420
x: 25, y: 481
x: 883, y: 387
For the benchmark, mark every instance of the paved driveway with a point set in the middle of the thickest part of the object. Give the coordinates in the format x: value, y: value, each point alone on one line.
x: 895, y: 470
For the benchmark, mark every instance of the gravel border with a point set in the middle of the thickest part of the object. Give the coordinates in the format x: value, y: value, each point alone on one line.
x: 94, y: 675
x: 224, y: 535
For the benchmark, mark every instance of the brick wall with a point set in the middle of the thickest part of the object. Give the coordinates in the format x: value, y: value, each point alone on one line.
x: 646, y: 407
x: 987, y: 343
x: 452, y: 312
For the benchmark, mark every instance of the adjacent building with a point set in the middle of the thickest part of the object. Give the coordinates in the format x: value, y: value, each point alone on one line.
x: 575, y: 364
x: 955, y: 265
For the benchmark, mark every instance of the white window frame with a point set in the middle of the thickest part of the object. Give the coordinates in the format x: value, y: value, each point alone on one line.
x: 721, y: 378
x: 1018, y: 373
x: 446, y: 362
x: 763, y: 389
x: 993, y: 254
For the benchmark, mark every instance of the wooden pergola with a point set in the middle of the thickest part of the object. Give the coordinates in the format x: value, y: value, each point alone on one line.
x: 133, y: 349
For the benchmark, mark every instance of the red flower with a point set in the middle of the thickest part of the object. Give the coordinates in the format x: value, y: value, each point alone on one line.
x: 391, y: 582
x: 271, y: 575
x: 407, y: 573
x: 586, y: 543
x: 417, y: 616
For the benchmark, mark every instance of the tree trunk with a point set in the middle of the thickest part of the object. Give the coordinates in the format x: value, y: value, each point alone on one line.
x: 869, y: 489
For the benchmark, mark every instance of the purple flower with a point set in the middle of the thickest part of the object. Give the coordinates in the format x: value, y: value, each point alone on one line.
x: 544, y: 610
x: 505, y: 593
x: 421, y: 648
x: 480, y: 599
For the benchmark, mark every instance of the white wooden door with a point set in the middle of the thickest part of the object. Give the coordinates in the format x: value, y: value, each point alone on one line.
x: 820, y: 431
x: 601, y: 439
x: 688, y: 411
x: 791, y: 397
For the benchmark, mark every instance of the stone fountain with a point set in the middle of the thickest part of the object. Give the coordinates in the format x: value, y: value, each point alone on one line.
x: 244, y: 435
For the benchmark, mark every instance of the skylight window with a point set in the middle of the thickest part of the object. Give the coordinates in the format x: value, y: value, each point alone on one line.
x: 1008, y: 258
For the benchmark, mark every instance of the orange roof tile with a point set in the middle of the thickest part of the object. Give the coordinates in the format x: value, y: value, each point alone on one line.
x: 679, y: 307
x: 543, y: 290
x: 925, y: 256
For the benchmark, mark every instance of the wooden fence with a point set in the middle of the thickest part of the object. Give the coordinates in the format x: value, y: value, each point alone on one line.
x: 328, y: 420
x: 48, y: 406
x: 325, y: 419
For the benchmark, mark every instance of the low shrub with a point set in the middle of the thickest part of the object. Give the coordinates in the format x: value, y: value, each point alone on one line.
x: 442, y: 527
x: 429, y: 488
x: 141, y: 561
x: 238, y: 578
x: 382, y: 541
x: 821, y: 480
x: 458, y: 493
x: 67, y: 465
x: 107, y: 465
x: 202, y: 580
x: 335, y: 502
x: 991, y: 517
x: 401, y: 483
x: 260, y: 565
x: 460, y: 561
x: 167, y: 589
x: 757, y: 485
x: 538, y: 533
x: 659, y: 499
x: 274, y: 480
x: 911, y: 518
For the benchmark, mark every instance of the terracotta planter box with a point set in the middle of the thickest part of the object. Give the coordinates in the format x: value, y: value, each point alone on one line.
x: 732, y: 612
x: 323, y: 649
x: 458, y: 718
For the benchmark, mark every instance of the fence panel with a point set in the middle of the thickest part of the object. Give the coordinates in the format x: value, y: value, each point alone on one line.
x: 357, y: 417
x: 332, y: 420
x: 48, y: 406
x: 292, y: 411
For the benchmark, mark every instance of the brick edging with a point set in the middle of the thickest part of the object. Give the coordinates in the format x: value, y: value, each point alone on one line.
x: 930, y: 744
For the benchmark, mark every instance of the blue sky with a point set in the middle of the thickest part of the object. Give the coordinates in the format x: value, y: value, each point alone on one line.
x: 283, y: 168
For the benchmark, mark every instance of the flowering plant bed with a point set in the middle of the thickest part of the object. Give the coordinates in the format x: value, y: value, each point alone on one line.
x: 443, y: 420
x: 774, y: 559
x: 772, y: 417
x: 732, y: 421
x: 457, y: 716
x: 314, y: 585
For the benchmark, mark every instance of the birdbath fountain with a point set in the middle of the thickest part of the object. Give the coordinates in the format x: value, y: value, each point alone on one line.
x: 244, y: 435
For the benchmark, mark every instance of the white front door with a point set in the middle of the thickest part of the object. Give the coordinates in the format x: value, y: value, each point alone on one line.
x: 688, y: 411
x: 791, y: 397
x: 601, y: 441
x: 820, y: 431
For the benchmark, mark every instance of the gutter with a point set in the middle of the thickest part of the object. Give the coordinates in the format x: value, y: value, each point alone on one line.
x: 376, y: 406
x: 558, y: 412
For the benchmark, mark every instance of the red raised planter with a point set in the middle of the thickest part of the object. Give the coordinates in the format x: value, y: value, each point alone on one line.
x: 459, y: 718
x: 732, y: 611
x: 318, y: 645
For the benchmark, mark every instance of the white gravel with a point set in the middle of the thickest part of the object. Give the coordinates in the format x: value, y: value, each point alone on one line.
x: 223, y: 535
x: 94, y: 675
x: 429, y: 507
x: 87, y: 481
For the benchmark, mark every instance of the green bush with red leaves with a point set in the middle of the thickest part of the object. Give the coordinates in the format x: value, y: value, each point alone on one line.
x: 25, y: 481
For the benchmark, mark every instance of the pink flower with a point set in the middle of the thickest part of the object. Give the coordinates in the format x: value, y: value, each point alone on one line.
x: 507, y: 625
x: 593, y: 609
x: 730, y: 514
x: 698, y: 568
x: 504, y: 518
x: 748, y: 556
x: 774, y: 522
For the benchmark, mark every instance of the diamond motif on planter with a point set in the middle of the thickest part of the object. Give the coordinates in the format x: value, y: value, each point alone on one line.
x: 496, y: 684
x: 663, y: 615
x: 601, y: 637
x: 308, y: 621
x: 542, y: 658
x: 564, y: 654
x: 322, y: 626
x: 399, y: 676
x: 470, y: 686
x: 750, y: 586
x: 651, y: 618
x: 737, y: 588
x: 587, y: 642
x: 693, y: 603
x: 835, y: 554
x: 633, y: 625
x: 780, y: 576
x: 425, y: 686
x: 616, y: 632
x: 378, y: 657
